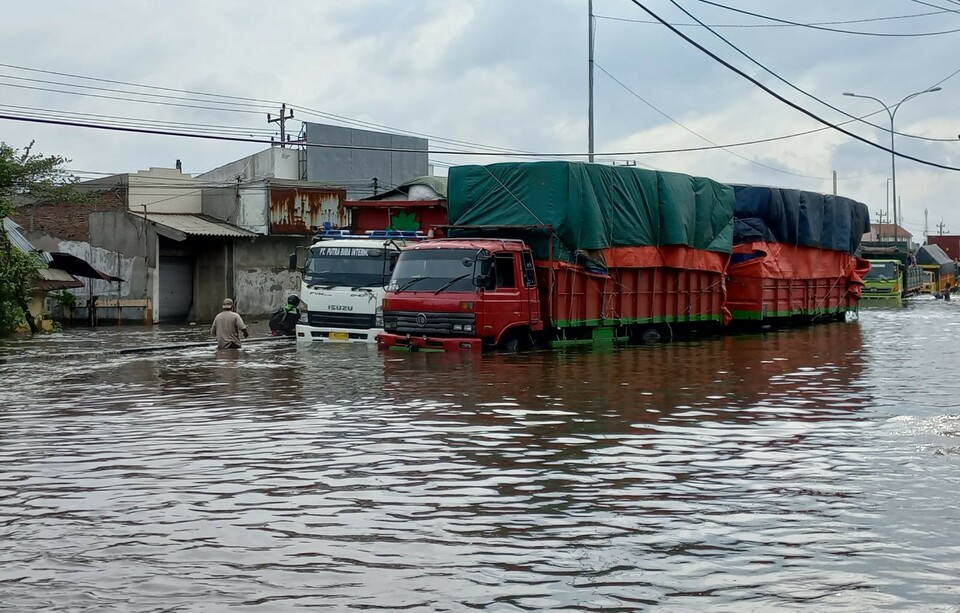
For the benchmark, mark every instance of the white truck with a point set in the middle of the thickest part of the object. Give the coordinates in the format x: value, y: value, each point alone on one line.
x: 342, y: 286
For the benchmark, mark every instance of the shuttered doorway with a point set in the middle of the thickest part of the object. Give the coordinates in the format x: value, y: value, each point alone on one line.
x: 176, y: 288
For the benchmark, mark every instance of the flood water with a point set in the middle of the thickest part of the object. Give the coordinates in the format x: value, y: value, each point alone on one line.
x: 814, y: 468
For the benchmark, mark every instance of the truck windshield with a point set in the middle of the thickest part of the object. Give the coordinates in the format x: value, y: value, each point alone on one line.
x: 882, y: 271
x: 347, y: 266
x: 421, y: 270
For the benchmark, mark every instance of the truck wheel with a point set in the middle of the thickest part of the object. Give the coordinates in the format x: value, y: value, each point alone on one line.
x: 510, y: 343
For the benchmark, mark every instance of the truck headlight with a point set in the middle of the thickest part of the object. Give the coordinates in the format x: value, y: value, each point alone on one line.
x: 378, y: 320
x: 458, y: 327
x: 304, y: 316
x: 467, y: 328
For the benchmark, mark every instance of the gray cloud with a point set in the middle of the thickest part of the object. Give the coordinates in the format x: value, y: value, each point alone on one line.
x: 506, y: 73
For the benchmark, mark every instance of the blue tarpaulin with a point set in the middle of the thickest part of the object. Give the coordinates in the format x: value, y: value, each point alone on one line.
x: 797, y: 217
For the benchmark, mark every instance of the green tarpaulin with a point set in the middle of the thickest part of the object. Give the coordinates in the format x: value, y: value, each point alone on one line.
x: 592, y: 206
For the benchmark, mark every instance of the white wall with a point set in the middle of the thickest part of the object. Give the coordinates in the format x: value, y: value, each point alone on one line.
x: 273, y: 163
x: 164, y: 190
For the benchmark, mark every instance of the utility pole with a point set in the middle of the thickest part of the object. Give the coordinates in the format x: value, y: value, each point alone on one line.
x: 590, y: 65
x: 940, y: 226
x: 834, y: 182
x: 880, y: 221
x: 282, y: 120
x: 926, y: 225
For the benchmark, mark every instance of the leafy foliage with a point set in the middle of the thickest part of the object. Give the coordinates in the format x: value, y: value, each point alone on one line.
x: 43, y: 178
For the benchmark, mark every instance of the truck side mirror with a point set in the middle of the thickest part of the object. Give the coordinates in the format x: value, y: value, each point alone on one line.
x: 484, y: 266
x: 298, y: 259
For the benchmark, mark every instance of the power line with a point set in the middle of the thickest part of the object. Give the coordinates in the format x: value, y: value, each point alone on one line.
x: 123, y: 91
x: 806, y: 112
x: 824, y: 28
x: 430, y: 151
x: 157, y: 87
x: 302, y: 109
x: 935, y: 6
x: 58, y: 114
x: 192, y: 106
x: 698, y: 135
x: 798, y: 89
x: 774, y: 25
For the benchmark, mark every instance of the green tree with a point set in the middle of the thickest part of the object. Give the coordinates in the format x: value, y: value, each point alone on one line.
x: 42, y: 178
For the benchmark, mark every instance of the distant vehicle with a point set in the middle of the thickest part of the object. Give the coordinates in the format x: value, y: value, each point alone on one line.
x: 933, y: 259
x: 929, y: 285
x: 893, y: 271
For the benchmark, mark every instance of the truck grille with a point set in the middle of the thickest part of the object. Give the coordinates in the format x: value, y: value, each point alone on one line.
x: 352, y: 321
x: 438, y: 324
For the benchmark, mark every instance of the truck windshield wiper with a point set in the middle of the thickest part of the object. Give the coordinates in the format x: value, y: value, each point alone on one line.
x: 410, y: 282
x: 451, y: 282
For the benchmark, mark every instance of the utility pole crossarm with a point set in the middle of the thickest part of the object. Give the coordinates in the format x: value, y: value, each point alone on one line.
x: 282, y: 120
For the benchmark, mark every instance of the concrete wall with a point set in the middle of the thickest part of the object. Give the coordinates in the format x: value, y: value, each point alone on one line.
x: 164, y: 190
x: 261, y: 280
x: 130, y: 269
x: 356, y: 169
x: 273, y: 163
x: 135, y: 240
x: 249, y: 211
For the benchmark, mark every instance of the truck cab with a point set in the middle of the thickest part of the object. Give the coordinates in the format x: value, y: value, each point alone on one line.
x: 883, y: 280
x: 461, y: 294
x: 343, y: 282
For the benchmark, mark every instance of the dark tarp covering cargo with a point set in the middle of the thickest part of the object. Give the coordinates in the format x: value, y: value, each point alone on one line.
x: 930, y: 255
x: 796, y: 217
x: 593, y: 207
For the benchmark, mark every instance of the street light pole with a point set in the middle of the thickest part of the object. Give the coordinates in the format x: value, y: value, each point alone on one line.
x: 888, y: 199
x: 893, y: 155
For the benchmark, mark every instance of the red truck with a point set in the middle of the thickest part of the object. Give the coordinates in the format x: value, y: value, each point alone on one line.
x: 562, y: 252
x: 472, y: 293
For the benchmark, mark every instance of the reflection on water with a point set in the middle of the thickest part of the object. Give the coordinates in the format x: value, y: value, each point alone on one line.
x: 808, y: 467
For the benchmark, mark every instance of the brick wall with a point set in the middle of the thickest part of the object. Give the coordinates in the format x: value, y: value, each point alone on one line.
x: 67, y: 220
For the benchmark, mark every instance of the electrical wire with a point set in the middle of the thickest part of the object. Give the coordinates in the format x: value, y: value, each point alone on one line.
x: 302, y: 109
x: 123, y: 91
x: 935, y: 6
x: 191, y: 106
x: 139, y: 122
x: 793, y: 105
x: 433, y: 152
x: 156, y: 87
x: 697, y: 134
x: 773, y: 25
x: 802, y: 91
x: 826, y: 29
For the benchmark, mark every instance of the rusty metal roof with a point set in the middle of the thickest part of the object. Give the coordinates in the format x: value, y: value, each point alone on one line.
x: 196, y: 225
x: 54, y: 278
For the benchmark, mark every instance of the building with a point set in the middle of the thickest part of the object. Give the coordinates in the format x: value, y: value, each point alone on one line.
x: 884, y: 232
x: 182, y: 243
x: 363, y: 161
x: 61, y: 272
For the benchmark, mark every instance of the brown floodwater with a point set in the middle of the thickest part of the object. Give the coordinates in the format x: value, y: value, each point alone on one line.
x: 812, y: 468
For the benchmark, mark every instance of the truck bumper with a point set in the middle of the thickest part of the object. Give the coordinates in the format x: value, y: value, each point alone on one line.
x: 313, y: 334
x: 402, y: 342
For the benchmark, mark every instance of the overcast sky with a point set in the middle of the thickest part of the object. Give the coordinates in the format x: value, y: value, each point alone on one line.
x: 506, y: 74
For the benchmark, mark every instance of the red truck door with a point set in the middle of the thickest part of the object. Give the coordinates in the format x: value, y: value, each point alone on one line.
x: 532, y: 299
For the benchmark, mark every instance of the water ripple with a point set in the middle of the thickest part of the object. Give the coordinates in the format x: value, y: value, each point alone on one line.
x: 802, y: 468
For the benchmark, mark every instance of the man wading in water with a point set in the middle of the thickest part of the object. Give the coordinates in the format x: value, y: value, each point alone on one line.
x: 227, y: 326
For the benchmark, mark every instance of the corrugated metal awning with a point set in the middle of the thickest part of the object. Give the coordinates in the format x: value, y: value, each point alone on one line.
x: 78, y: 267
x: 54, y: 278
x: 179, y: 226
x: 15, y: 234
